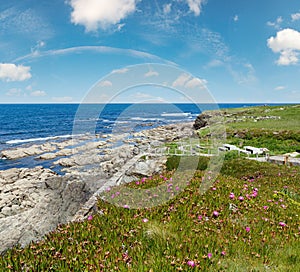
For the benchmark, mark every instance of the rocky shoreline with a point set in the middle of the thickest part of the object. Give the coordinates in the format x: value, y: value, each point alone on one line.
x: 33, y: 201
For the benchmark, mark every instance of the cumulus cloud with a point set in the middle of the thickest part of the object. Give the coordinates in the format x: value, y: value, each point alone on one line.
x: 12, y: 72
x: 105, y: 83
x: 181, y: 80
x: 185, y: 80
x: 195, y: 6
x: 287, y: 43
x: 196, y: 82
x: 277, y: 23
x: 280, y: 88
x: 295, y: 16
x: 38, y: 93
x: 95, y: 14
x: 236, y: 18
x: 151, y: 74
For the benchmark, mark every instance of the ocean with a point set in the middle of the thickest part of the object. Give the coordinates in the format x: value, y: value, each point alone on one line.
x: 24, y: 124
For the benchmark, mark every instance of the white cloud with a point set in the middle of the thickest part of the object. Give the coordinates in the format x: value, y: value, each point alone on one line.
x: 195, y: 6
x: 14, y: 92
x: 181, y: 80
x: 236, y: 18
x: 196, y: 82
x: 62, y: 99
x: 287, y: 43
x: 151, y: 74
x: 105, y: 83
x: 185, y: 80
x: 276, y: 24
x: 95, y: 14
x: 120, y: 71
x: 295, y: 16
x: 167, y: 8
x: 12, y: 72
x: 38, y: 93
x: 280, y: 88
x: 288, y: 57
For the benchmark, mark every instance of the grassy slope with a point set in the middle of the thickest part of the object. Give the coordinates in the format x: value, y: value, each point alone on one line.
x: 250, y: 238
x: 278, y: 135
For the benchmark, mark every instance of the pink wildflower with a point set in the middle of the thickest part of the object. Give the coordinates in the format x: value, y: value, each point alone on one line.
x: 223, y: 253
x: 191, y: 263
x: 90, y: 217
x: 282, y: 224
x: 240, y: 198
x: 265, y: 207
x: 214, y: 188
x: 145, y: 220
x: 247, y: 229
x: 215, y: 214
x: 231, y: 196
x: 209, y: 255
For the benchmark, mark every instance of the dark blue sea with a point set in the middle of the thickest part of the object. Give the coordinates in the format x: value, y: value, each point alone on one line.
x: 24, y: 124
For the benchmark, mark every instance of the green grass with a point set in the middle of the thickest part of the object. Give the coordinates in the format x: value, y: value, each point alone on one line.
x: 259, y: 233
x: 289, y: 117
x: 184, y: 229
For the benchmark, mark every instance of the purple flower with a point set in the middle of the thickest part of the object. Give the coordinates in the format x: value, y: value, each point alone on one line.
x: 90, y: 217
x: 145, y: 220
x: 282, y: 224
x: 247, y: 229
x: 223, y: 253
x: 200, y: 217
x: 137, y: 183
x: 240, y: 198
x: 209, y: 255
x: 265, y: 207
x: 191, y: 263
x: 126, y: 206
x: 231, y: 196
x: 215, y: 214
x: 214, y: 188
x: 254, y: 194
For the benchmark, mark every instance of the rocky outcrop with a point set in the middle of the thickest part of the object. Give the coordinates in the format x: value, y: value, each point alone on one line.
x: 34, y: 201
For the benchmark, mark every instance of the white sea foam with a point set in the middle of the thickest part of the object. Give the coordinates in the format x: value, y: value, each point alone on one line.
x: 20, y: 141
x: 144, y: 119
x: 176, y: 114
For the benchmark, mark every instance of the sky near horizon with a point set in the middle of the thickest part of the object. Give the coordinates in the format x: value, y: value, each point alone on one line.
x: 240, y: 51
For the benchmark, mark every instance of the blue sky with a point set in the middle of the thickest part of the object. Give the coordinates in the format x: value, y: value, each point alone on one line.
x: 241, y: 51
